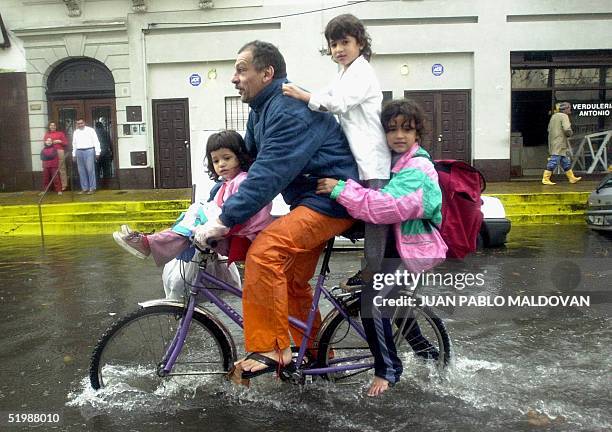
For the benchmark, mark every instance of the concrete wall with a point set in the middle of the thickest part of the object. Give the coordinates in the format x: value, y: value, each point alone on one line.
x: 107, y: 43
x: 151, y: 54
x: 12, y: 59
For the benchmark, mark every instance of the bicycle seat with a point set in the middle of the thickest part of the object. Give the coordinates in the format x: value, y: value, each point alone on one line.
x: 355, y: 232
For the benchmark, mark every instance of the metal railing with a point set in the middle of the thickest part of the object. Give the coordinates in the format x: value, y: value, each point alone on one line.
x: 592, y: 150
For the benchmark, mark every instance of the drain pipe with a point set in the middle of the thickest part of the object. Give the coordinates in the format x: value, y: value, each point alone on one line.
x: 146, y: 116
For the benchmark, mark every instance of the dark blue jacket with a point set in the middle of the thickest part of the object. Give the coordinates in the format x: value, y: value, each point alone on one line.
x: 292, y: 147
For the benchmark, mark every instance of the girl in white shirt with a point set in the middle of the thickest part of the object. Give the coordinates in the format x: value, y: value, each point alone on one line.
x: 355, y: 97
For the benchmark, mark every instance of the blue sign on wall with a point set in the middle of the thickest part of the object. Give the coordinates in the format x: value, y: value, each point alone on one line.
x: 195, y: 80
x: 437, y: 69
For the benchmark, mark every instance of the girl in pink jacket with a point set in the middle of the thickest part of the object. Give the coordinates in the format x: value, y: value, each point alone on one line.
x: 228, y: 161
x: 412, y: 203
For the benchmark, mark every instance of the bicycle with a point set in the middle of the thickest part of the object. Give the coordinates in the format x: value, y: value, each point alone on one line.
x: 166, y: 338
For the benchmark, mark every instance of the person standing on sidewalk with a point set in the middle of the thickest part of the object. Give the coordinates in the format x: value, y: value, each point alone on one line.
x: 50, y: 164
x: 59, y: 142
x: 559, y: 131
x: 86, y: 149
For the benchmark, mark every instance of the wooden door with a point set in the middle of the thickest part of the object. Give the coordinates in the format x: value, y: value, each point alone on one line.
x: 65, y: 113
x: 101, y: 115
x: 16, y: 155
x: 448, y: 122
x: 426, y: 101
x: 172, y: 143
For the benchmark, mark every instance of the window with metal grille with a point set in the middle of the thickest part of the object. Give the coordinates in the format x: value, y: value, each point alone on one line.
x: 236, y: 113
x: 387, y: 96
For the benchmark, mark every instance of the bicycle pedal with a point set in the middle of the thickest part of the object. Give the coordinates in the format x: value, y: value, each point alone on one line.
x: 342, y: 294
x: 351, y: 289
x: 294, y: 376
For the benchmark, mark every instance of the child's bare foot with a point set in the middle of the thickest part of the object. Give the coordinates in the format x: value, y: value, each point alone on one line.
x: 378, y: 386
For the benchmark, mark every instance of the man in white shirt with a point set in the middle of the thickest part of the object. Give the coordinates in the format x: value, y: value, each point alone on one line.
x: 86, y: 150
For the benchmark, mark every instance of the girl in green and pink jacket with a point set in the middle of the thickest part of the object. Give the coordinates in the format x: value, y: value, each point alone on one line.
x: 412, y: 203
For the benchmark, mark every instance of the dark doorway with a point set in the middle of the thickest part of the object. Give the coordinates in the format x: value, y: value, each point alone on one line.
x: 172, y: 143
x: 448, y: 122
x: 85, y: 88
x: 99, y: 114
x: 530, y: 114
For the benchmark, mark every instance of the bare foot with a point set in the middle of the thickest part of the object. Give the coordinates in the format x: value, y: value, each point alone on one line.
x: 378, y: 386
x: 254, y: 365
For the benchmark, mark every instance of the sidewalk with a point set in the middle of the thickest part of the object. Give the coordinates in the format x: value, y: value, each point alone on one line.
x: 525, y: 203
x: 31, y: 197
x: 534, y: 185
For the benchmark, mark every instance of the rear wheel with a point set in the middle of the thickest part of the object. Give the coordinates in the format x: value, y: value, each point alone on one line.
x: 418, y: 334
x: 132, y: 350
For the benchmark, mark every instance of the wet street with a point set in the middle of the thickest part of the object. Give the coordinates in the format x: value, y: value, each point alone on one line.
x: 525, y: 367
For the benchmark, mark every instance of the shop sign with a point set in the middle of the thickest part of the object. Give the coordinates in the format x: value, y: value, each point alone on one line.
x: 592, y: 109
x: 195, y: 80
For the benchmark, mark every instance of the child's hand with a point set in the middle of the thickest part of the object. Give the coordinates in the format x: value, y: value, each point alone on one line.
x: 212, y: 229
x: 326, y: 185
x: 295, y: 92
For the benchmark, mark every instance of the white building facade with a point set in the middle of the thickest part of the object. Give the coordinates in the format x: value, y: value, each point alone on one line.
x: 155, y: 74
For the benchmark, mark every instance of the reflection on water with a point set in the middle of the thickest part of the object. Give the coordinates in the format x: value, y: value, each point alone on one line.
x: 511, y: 371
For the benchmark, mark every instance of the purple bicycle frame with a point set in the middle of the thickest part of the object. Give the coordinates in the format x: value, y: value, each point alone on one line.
x: 205, y: 279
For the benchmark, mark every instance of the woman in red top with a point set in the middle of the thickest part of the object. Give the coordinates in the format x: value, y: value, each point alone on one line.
x: 59, y: 142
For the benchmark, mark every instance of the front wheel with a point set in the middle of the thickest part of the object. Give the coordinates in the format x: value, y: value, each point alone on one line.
x: 418, y: 334
x: 131, y: 350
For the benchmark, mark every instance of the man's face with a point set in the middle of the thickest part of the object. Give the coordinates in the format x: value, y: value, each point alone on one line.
x: 247, y: 79
x: 80, y: 124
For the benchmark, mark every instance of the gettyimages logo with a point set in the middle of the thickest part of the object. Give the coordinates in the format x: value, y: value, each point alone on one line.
x: 410, y: 280
x: 495, y: 286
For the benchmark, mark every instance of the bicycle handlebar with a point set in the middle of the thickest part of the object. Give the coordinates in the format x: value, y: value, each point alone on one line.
x: 210, y: 243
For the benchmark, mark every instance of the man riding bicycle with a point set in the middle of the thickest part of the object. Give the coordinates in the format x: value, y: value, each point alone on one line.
x: 292, y: 147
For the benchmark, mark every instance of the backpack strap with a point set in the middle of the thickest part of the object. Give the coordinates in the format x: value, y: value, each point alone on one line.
x: 429, y: 221
x: 214, y: 191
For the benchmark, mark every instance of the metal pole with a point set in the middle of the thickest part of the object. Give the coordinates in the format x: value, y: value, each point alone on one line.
x: 42, y: 233
x: 40, y: 200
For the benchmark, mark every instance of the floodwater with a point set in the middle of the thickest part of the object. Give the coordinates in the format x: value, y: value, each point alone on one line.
x: 513, y: 368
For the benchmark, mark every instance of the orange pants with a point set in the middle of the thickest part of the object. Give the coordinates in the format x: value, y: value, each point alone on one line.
x: 280, y: 263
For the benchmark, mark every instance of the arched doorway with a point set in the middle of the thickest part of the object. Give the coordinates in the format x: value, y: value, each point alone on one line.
x: 85, y: 88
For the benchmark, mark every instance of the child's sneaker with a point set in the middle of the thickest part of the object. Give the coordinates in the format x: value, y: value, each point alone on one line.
x: 353, y: 283
x: 135, y: 243
x: 126, y: 230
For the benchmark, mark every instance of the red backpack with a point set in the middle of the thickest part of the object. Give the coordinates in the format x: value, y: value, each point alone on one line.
x: 461, y: 186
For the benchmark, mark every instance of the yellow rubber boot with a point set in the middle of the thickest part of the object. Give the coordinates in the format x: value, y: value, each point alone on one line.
x: 546, y: 178
x: 571, y: 177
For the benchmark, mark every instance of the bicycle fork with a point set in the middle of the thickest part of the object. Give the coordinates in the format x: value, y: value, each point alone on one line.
x: 174, y: 349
